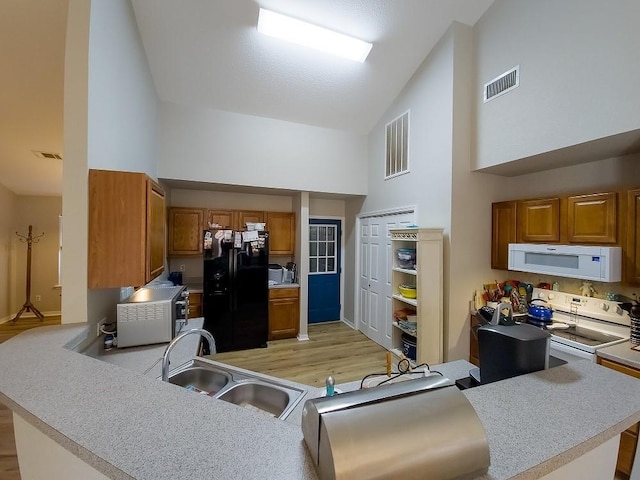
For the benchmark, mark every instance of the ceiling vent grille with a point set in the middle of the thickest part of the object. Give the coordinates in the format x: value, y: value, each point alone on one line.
x: 55, y: 156
x: 502, y: 84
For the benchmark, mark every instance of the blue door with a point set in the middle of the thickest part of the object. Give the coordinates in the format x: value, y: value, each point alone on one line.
x: 324, y: 270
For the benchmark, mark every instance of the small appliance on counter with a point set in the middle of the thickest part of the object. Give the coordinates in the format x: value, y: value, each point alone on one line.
x: 420, y: 428
x: 510, y: 350
x: 290, y: 274
x: 153, y: 314
x: 276, y: 273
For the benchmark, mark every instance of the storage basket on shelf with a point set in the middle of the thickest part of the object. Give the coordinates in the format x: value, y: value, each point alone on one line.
x: 406, y: 258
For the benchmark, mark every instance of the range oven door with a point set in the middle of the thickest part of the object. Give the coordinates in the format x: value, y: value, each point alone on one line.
x: 569, y: 354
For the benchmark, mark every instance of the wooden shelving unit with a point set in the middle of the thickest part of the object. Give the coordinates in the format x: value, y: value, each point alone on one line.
x: 427, y: 276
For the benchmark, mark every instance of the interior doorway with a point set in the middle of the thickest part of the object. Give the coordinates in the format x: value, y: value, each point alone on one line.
x: 374, y: 273
x: 324, y: 270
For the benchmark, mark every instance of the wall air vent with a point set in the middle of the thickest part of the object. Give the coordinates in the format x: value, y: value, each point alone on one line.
x: 502, y: 84
x: 54, y: 156
x: 397, y: 147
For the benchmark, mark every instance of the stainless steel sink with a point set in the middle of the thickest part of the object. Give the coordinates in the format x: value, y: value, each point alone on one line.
x: 202, y: 379
x: 236, y: 387
x: 269, y: 398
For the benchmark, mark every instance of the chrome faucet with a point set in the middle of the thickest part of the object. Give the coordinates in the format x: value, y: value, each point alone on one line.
x: 165, y: 357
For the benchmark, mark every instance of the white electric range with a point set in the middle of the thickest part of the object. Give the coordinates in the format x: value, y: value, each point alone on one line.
x: 582, y: 325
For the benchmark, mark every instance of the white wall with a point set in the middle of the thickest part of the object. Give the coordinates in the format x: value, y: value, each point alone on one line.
x: 7, y: 206
x: 43, y: 214
x: 428, y: 97
x: 326, y: 207
x: 468, y: 252
x: 213, y: 146
x: 579, y: 75
x: 593, y: 177
x: 110, y: 123
x: 231, y: 200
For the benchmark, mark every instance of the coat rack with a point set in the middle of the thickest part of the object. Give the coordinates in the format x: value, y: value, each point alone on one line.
x: 28, y: 306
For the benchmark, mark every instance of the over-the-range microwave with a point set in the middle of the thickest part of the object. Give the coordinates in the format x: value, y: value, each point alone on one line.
x: 601, y: 264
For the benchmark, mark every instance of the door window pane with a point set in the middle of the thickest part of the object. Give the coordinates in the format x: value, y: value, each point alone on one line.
x: 323, y: 249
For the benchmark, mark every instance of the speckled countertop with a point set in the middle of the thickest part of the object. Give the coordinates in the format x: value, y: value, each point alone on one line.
x: 621, y: 353
x: 284, y: 285
x: 129, y: 425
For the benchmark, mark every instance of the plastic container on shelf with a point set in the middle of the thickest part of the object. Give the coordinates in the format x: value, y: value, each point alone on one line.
x: 409, y: 346
x: 406, y: 258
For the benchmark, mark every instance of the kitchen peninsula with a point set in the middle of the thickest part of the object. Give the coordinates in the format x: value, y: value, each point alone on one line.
x: 121, y: 423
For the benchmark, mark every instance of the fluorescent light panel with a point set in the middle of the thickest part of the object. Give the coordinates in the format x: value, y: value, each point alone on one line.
x: 312, y: 36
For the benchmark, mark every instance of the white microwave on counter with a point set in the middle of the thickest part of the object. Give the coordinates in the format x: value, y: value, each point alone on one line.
x: 600, y: 264
x: 153, y: 314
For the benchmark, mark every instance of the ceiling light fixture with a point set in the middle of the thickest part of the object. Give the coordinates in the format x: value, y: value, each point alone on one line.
x: 312, y: 36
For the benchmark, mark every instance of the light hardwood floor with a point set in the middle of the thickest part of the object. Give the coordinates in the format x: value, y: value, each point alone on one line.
x: 8, y: 460
x: 333, y: 349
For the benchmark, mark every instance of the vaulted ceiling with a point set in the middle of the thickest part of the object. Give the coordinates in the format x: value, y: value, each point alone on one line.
x: 208, y: 53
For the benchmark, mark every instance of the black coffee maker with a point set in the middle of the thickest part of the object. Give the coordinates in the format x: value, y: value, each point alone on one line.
x: 508, y: 349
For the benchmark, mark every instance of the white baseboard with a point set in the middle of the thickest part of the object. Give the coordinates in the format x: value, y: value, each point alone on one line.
x: 29, y: 315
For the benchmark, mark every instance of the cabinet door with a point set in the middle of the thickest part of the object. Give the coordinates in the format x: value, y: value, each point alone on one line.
x: 633, y: 237
x: 592, y: 218
x: 284, y: 318
x: 117, y: 255
x: 223, y: 218
x: 503, y: 232
x: 474, y: 353
x: 242, y: 217
x: 628, y: 438
x: 281, y: 227
x: 539, y: 221
x: 195, y: 305
x: 185, y: 231
x: 155, y: 230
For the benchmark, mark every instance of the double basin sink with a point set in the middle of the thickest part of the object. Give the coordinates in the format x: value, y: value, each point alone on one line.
x: 236, y: 387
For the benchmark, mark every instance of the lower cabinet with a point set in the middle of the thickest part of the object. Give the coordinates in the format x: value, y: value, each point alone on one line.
x: 474, y: 352
x: 195, y: 305
x: 628, y: 438
x: 284, y: 313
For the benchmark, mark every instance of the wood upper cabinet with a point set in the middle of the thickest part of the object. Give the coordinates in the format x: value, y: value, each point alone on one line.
x: 592, y: 218
x: 224, y: 218
x: 233, y: 219
x: 632, y: 257
x: 126, y: 229
x: 284, y: 313
x: 185, y: 231
x: 539, y: 221
x: 282, y: 229
x: 503, y: 232
x: 242, y: 217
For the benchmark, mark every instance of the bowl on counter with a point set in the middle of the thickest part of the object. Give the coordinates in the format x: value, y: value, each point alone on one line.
x: 408, y: 291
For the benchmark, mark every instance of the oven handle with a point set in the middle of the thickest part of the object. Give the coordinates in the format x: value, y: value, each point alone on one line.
x: 569, y: 354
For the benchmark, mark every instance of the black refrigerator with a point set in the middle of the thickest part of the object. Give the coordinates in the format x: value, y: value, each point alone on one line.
x: 235, y: 288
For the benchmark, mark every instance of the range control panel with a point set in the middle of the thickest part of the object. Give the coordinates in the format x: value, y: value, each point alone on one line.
x: 574, y: 304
